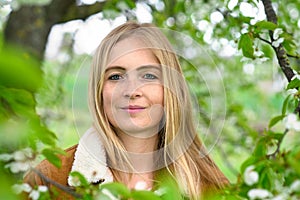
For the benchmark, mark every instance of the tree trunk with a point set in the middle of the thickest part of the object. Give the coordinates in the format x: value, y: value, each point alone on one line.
x: 29, y: 26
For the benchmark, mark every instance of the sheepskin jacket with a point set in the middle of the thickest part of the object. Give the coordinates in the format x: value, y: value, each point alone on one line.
x: 88, y: 158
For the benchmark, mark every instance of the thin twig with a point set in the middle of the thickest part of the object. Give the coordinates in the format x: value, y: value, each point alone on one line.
x: 66, y: 189
x: 264, y: 40
x: 273, y: 155
x: 293, y: 56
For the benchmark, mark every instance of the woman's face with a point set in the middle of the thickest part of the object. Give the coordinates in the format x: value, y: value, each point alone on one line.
x: 133, y: 90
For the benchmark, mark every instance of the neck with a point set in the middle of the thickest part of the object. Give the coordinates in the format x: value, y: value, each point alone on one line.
x: 139, y: 145
x: 141, y: 151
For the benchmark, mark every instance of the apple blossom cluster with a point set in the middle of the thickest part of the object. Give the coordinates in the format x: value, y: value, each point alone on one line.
x: 34, y: 194
x: 276, y: 36
x: 18, y: 161
x: 251, y: 177
x: 292, y: 122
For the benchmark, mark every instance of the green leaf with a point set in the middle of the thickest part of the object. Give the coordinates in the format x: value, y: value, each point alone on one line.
x: 131, y: 4
x: 145, y: 195
x: 117, y: 189
x: 20, y: 101
x: 52, y: 156
x: 80, y: 177
x: 285, y: 104
x: 260, y: 148
x: 289, y: 44
x: 293, y: 160
x: 295, y: 83
x: 274, y: 135
x: 19, y: 70
x: 275, y: 120
x: 246, y: 44
x: 266, y: 25
x: 42, y: 133
x: 245, y: 19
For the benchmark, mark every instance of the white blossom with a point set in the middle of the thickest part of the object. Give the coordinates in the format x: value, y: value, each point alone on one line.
x: 160, y: 191
x: 258, y: 53
x: 295, y: 186
x: 6, y: 157
x: 34, y: 195
x: 23, y: 154
x: 277, y: 32
x: 282, y: 196
x: 296, y: 76
x: 277, y: 42
x: 292, y: 91
x: 4, y: 2
x: 109, y: 194
x: 250, y: 176
x: 259, y: 194
x: 43, y: 188
x: 24, y: 187
x: 140, y: 185
x: 291, y: 122
x: 16, y: 167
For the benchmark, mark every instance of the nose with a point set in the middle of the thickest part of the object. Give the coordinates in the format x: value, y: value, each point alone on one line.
x: 132, y: 89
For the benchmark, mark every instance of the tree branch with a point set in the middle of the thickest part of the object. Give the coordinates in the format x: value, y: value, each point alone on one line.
x: 264, y: 40
x: 280, y: 51
x: 82, y: 12
x: 293, y: 56
x: 66, y: 189
x: 273, y: 155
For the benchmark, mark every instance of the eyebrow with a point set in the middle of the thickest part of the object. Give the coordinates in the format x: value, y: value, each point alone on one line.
x: 140, y: 68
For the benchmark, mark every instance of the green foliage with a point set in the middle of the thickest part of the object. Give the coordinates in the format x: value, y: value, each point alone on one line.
x: 250, y: 129
x: 246, y: 44
x: 20, y: 124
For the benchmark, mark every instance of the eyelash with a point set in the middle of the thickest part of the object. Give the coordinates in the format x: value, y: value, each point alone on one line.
x: 146, y: 76
x: 116, y: 77
x: 113, y: 77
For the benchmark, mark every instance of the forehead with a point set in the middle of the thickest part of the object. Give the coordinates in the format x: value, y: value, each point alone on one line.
x: 129, y: 46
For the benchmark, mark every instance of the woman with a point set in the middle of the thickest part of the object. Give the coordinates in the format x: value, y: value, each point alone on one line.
x: 143, y: 124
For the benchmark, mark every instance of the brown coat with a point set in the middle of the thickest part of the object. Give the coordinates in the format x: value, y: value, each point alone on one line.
x: 54, y: 174
x: 55, y: 178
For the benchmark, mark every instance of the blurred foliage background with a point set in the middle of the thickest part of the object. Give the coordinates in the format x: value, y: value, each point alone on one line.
x: 45, y: 57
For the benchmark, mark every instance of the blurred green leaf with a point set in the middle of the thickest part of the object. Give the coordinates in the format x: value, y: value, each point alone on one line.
x: 145, y: 195
x: 19, y: 70
x: 275, y: 120
x: 117, y: 189
x: 295, y: 83
x: 266, y: 25
x: 52, y: 156
x: 260, y: 148
x: 130, y: 3
x: 42, y: 133
x: 293, y: 159
x: 285, y: 105
x: 80, y: 177
x: 20, y: 102
x: 246, y: 44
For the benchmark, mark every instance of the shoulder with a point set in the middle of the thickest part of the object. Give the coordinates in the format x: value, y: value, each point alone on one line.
x: 46, y: 170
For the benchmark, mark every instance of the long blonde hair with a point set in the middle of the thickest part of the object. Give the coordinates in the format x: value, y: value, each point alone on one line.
x: 183, y: 156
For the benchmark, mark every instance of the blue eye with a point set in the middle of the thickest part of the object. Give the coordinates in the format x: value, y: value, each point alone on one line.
x: 115, y: 77
x: 149, y: 76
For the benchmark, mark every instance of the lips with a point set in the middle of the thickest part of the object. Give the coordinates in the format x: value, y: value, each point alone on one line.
x: 133, y: 108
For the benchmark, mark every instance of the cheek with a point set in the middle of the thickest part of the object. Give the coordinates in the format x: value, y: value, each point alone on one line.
x: 107, y: 101
x: 157, y: 94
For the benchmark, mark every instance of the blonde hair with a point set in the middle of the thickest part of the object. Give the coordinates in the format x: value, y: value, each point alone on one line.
x: 183, y: 156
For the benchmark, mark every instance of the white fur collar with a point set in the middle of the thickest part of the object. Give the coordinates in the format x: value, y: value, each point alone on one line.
x: 90, y: 159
